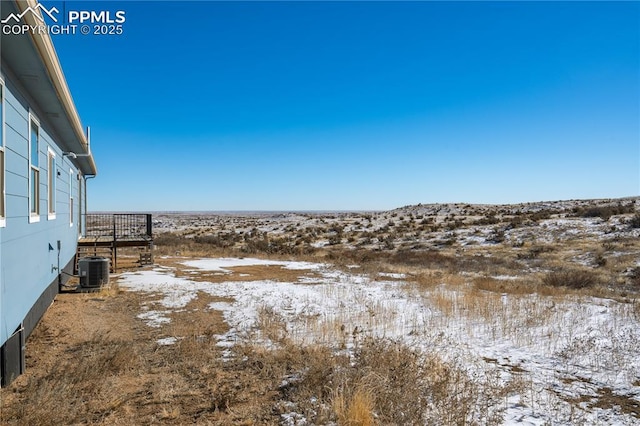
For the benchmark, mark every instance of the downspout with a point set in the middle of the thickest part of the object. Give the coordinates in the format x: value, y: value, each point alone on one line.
x: 86, y: 178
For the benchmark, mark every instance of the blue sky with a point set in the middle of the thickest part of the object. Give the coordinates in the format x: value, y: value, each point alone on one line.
x: 359, y: 105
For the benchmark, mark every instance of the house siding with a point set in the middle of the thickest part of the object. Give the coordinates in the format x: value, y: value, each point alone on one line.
x: 30, y: 261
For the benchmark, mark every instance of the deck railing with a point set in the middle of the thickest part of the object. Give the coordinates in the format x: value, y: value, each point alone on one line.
x: 119, y: 226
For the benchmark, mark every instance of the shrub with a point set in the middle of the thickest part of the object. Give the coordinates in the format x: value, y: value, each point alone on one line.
x: 600, y: 260
x: 223, y: 240
x: 496, y: 237
x: 571, y: 278
x: 490, y: 219
x: 534, y: 252
x: 634, y: 278
x: 169, y: 239
x: 540, y: 215
x: 604, y: 212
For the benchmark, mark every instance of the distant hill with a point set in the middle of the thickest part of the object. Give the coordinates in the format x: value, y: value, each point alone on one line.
x: 562, y: 206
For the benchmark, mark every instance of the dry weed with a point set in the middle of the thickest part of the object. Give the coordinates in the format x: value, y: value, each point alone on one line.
x: 571, y: 278
x: 384, y: 382
x: 272, y: 325
x: 81, y: 388
x: 515, y: 286
x: 356, y: 410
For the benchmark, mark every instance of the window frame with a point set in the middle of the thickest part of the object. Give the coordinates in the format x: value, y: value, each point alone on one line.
x: 52, y: 169
x: 34, y: 171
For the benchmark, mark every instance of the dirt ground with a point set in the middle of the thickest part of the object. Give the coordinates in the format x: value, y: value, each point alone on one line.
x: 92, y: 361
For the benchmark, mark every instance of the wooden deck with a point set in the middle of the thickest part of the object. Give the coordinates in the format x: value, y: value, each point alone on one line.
x: 108, y: 241
x: 105, y: 233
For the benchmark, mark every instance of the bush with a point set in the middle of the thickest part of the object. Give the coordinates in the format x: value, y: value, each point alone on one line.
x: 571, y: 278
x: 490, y: 219
x: 605, y: 212
x: 534, y: 252
x: 496, y: 237
x: 634, y: 278
x: 222, y: 240
x: 541, y: 215
x: 169, y: 239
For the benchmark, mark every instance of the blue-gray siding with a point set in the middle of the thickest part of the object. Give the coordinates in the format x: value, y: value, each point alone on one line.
x: 29, y: 251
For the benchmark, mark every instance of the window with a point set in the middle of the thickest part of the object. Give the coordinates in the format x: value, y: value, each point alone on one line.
x: 71, y: 211
x: 52, y: 173
x: 34, y: 170
x: 2, y: 179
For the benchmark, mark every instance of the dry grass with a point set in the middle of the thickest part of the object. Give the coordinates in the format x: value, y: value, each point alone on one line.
x: 636, y: 313
x: 95, y: 363
x: 383, y: 382
x: 571, y: 278
x: 239, y: 273
x: 106, y: 379
x: 77, y: 375
x: 87, y: 385
x: 356, y: 410
x: 110, y: 290
x: 272, y: 325
x: 428, y: 280
x: 510, y: 286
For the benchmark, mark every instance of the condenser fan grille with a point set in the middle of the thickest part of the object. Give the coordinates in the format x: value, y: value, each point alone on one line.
x: 93, y: 271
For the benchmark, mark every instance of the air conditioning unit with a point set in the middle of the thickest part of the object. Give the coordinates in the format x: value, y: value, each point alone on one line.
x: 93, y: 272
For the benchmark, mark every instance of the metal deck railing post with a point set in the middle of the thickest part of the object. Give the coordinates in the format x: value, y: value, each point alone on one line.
x: 149, y: 226
x: 115, y: 245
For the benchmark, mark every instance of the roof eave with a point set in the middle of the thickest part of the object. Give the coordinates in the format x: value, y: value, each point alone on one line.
x: 49, y: 57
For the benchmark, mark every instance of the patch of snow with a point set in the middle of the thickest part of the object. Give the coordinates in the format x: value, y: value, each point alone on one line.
x: 220, y: 306
x: 167, y: 341
x: 222, y: 264
x: 506, y: 277
x: 393, y: 275
x: 154, y: 318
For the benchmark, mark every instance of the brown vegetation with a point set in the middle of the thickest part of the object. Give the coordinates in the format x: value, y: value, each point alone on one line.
x: 92, y: 361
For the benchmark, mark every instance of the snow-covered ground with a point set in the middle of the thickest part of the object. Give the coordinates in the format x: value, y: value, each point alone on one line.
x: 561, y: 348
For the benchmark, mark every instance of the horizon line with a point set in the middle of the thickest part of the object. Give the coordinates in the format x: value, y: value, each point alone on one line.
x: 317, y: 211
